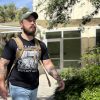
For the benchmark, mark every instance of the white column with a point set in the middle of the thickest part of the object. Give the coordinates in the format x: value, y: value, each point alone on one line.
x: 34, y: 5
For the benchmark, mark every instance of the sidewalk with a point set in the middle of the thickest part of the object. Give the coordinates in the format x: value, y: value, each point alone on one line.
x: 44, y: 91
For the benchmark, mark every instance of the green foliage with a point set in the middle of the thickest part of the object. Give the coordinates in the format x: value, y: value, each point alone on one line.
x: 3, y: 14
x: 91, y: 57
x: 10, y: 13
x: 77, y: 81
x: 91, y: 75
x: 93, y: 94
x: 60, y: 11
x: 74, y: 85
x: 68, y: 73
x: 96, y: 3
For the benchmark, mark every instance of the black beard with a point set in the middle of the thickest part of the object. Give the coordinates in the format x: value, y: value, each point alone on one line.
x: 29, y: 33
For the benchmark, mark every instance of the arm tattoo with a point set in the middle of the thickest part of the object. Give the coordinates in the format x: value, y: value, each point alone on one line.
x: 2, y: 71
x: 3, y: 68
x: 53, y: 72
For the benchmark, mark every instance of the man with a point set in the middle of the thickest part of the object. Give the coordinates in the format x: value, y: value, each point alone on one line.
x: 24, y: 78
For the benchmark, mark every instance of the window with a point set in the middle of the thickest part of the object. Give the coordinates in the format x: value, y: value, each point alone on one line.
x: 54, y: 51
x: 98, y: 37
x: 71, y: 34
x: 65, y: 51
x: 52, y: 35
x: 72, y: 49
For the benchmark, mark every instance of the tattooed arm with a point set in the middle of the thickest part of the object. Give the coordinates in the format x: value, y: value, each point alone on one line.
x: 3, y: 67
x: 53, y: 72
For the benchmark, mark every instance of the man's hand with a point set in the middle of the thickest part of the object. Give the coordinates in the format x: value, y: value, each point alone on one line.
x: 3, y: 91
x: 61, y: 85
x: 53, y: 72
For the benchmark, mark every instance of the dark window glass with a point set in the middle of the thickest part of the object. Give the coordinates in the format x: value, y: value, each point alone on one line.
x: 51, y: 35
x: 71, y: 34
x: 98, y: 37
x: 54, y: 52
x: 54, y: 49
x: 72, y: 49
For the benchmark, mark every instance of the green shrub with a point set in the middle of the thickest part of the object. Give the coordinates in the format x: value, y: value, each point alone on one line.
x: 93, y: 94
x: 91, y: 75
x: 76, y: 80
x: 67, y: 73
x: 74, y: 85
x: 91, y: 57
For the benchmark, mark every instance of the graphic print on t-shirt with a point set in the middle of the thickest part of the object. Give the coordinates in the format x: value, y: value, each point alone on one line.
x: 29, y: 60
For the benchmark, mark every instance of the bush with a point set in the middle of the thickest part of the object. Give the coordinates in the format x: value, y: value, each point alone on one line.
x: 91, y: 75
x: 76, y: 80
x: 93, y: 94
x: 91, y: 57
x: 74, y: 85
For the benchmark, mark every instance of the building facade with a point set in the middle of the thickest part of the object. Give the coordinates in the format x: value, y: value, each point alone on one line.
x: 67, y: 44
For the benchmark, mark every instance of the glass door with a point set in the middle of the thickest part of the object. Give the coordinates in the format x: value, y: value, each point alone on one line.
x: 54, y: 51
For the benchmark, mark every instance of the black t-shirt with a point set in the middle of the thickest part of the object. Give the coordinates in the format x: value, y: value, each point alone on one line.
x: 25, y: 73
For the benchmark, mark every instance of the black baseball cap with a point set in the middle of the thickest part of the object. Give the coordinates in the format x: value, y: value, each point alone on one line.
x: 27, y: 14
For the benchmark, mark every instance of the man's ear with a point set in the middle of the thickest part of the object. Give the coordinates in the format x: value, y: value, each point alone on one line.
x: 21, y: 24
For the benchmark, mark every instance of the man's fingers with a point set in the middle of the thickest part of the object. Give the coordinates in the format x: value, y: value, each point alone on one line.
x: 61, y: 86
x: 4, y: 94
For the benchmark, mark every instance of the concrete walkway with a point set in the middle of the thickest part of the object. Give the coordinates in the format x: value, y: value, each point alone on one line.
x: 44, y: 91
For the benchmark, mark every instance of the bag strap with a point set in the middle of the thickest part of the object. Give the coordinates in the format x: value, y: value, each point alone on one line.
x: 19, y: 52
x: 41, y: 63
x: 20, y: 48
x: 46, y: 73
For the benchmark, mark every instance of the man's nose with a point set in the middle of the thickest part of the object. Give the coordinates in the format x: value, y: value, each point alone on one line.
x: 33, y: 23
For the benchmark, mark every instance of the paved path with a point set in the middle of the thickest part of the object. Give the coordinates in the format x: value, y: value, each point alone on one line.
x: 44, y: 91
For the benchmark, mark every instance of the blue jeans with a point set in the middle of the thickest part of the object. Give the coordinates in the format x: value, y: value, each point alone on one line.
x: 19, y: 93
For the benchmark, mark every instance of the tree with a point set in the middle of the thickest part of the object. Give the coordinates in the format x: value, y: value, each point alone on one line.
x: 21, y: 11
x: 59, y: 11
x: 3, y: 13
x: 11, y: 11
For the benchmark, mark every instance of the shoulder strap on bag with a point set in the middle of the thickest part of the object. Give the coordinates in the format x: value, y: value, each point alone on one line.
x: 20, y: 47
x: 46, y: 73
x: 18, y: 52
x: 37, y: 44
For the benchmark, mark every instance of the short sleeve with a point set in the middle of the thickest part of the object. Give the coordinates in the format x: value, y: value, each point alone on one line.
x: 44, y: 53
x: 9, y: 51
